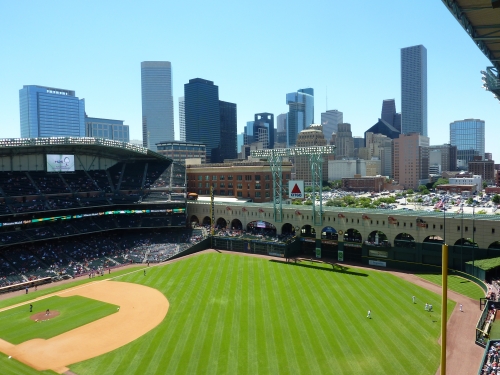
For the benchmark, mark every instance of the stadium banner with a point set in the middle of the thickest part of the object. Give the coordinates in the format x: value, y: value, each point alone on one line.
x: 296, y: 189
x: 60, y: 163
x: 91, y: 214
x: 378, y: 253
x: 377, y: 263
x: 305, y: 239
x: 318, y: 252
x: 341, y: 256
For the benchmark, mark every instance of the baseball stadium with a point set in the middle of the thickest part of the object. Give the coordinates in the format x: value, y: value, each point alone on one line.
x: 109, y: 265
x: 106, y: 266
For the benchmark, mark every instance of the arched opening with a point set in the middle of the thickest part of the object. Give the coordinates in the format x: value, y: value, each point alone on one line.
x: 287, y: 229
x: 495, y: 245
x: 221, y: 223
x: 207, y: 221
x: 262, y: 228
x: 194, y: 219
x: 308, y: 231
x: 236, y: 224
x: 352, y: 235
x: 465, y: 242
x: 405, y: 240
x: 378, y: 238
x: 329, y: 233
x: 433, y: 239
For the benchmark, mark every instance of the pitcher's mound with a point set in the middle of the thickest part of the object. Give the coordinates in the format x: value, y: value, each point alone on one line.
x: 41, y: 316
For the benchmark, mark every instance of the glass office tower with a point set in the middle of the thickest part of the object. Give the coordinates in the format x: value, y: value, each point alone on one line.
x: 414, y: 90
x: 330, y: 121
x: 107, y: 129
x: 300, y: 113
x: 157, y: 103
x: 468, y: 136
x: 50, y: 112
x: 228, y: 130
x: 182, y: 120
x: 202, y: 116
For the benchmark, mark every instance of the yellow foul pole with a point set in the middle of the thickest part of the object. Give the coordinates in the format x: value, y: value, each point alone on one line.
x: 444, y: 307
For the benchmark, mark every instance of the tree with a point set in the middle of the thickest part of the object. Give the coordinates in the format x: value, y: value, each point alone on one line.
x: 470, y: 200
x: 308, y: 203
x: 496, y: 199
x: 297, y: 202
x: 422, y: 188
x: 409, y: 191
x: 326, y: 188
x: 425, y: 191
x: 440, y: 181
x: 308, y: 189
x: 485, y: 184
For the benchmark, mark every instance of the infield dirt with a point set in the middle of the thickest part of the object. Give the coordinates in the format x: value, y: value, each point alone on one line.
x: 141, y: 309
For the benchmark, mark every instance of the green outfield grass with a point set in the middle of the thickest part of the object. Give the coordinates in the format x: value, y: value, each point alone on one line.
x: 231, y: 314
x: 75, y: 311
x: 457, y: 284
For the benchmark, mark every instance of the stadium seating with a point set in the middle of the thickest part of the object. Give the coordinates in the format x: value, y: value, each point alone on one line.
x: 81, y: 255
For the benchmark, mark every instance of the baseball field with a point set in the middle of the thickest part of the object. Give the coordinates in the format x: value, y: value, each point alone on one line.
x: 231, y: 314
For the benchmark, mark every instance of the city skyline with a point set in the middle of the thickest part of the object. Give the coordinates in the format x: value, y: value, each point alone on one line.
x: 111, y: 84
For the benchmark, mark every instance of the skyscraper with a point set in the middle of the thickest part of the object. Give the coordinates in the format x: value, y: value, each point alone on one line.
x: 202, y: 114
x: 281, y: 122
x: 414, y: 90
x: 411, y: 160
x: 228, y: 131
x: 468, y: 136
x: 157, y: 103
x: 107, y: 129
x: 330, y: 121
x: 344, y: 142
x: 50, y: 112
x: 300, y: 113
x: 264, y: 123
x: 182, y: 120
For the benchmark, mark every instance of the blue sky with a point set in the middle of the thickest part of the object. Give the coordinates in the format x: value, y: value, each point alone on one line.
x: 255, y: 51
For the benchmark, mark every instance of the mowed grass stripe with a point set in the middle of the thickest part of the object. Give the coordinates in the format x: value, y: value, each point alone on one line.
x: 187, y: 305
x: 233, y: 334
x: 201, y: 325
x: 340, y: 319
x: 271, y: 351
x: 301, y: 316
x: 287, y: 357
x: 217, y: 322
x: 311, y: 285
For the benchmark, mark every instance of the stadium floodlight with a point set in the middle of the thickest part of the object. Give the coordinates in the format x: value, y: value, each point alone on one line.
x: 275, y: 158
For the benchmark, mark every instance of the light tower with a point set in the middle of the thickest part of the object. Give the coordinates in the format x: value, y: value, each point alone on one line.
x: 275, y: 158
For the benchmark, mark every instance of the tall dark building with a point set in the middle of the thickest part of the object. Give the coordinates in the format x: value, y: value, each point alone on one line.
x: 264, y: 123
x: 389, y: 114
x: 228, y: 130
x: 202, y: 116
x: 383, y: 127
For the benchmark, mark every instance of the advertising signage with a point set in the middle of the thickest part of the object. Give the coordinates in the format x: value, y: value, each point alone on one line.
x: 296, y: 189
x: 167, y: 211
x: 60, y: 163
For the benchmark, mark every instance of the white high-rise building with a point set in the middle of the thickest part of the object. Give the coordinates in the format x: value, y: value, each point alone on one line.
x: 330, y: 121
x: 157, y: 103
x: 182, y: 119
x: 414, y: 90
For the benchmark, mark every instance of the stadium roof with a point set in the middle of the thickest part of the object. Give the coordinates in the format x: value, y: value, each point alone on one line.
x: 482, y: 22
x: 74, y: 145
